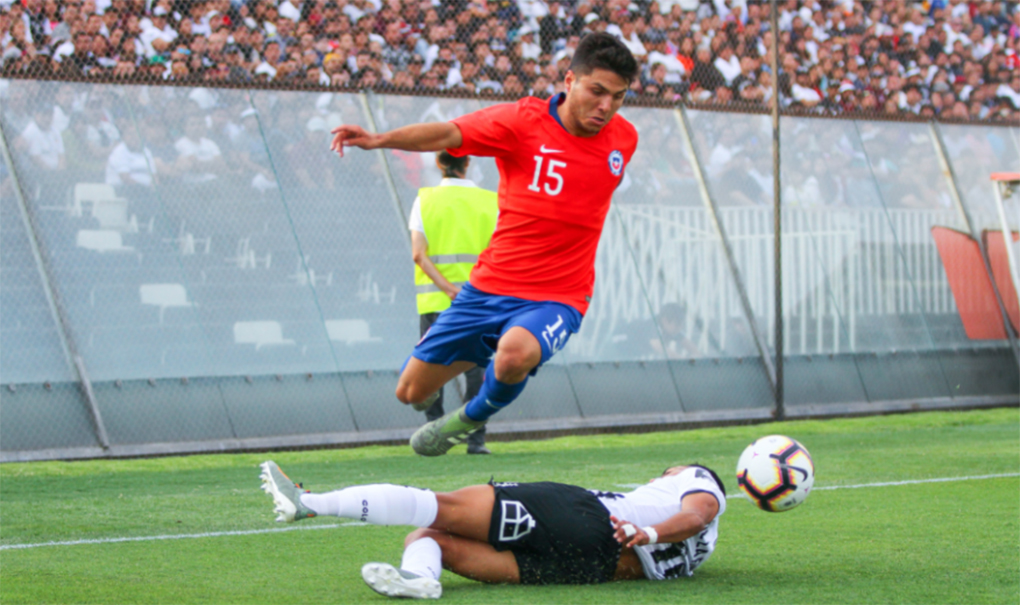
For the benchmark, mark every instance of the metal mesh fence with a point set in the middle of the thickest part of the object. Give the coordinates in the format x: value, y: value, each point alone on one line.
x: 35, y: 362
x: 667, y: 291
x: 930, y: 59
x: 186, y: 267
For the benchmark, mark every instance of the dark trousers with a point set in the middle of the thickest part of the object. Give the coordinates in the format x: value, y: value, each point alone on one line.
x: 475, y: 376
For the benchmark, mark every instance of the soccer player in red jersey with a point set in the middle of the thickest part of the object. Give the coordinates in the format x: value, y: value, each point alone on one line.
x: 559, y: 162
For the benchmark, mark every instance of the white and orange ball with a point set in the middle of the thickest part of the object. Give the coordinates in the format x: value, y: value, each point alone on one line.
x: 776, y: 473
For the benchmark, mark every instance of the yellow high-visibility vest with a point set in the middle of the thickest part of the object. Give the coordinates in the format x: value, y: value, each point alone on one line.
x: 458, y: 223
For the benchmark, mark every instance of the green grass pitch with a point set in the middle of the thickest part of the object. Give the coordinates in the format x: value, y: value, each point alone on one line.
x: 935, y: 542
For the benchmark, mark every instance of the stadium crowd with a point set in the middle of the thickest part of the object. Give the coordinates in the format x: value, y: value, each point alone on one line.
x: 950, y: 58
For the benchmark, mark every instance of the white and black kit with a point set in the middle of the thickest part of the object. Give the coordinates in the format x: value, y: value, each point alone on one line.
x: 561, y: 534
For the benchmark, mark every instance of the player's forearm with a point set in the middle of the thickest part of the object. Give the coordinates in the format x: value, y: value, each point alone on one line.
x: 437, y: 278
x: 680, y: 527
x: 432, y: 136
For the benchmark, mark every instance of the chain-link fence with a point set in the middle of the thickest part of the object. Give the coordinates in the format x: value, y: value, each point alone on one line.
x: 189, y: 269
x: 950, y: 60
x: 185, y: 267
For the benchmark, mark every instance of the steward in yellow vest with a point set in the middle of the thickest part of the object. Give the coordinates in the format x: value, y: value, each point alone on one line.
x: 457, y: 219
x: 450, y: 226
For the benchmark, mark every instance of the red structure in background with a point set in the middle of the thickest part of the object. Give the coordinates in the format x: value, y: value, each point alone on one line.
x: 996, y: 247
x: 971, y: 286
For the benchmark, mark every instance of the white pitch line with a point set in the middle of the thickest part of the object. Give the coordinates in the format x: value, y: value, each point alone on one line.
x: 907, y: 482
x: 251, y: 532
x: 214, y: 534
x: 913, y: 481
x: 882, y: 484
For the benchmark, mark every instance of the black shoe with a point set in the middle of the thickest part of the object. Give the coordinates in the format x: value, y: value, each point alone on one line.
x: 478, y: 449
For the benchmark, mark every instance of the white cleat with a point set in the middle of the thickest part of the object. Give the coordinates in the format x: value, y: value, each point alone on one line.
x: 392, y: 582
x: 286, y: 495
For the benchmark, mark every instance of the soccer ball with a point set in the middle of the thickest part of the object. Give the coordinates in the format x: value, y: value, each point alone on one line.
x: 776, y: 473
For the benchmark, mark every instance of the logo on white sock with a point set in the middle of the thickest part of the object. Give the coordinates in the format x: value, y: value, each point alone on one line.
x: 516, y: 523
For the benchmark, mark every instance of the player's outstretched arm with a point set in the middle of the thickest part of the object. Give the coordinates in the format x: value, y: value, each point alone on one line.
x: 696, y: 511
x: 431, y: 136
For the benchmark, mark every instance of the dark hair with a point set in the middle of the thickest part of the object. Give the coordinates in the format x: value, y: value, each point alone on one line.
x: 710, y: 472
x: 714, y: 476
x: 452, y: 166
x: 603, y: 51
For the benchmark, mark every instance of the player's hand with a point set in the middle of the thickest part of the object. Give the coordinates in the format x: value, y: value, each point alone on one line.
x: 349, y: 135
x: 628, y: 534
x: 453, y: 291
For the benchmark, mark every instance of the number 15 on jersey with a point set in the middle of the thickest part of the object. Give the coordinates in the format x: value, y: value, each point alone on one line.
x: 552, y: 177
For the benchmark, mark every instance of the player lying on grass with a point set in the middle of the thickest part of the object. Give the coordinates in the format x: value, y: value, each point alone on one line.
x: 559, y: 162
x: 526, y: 533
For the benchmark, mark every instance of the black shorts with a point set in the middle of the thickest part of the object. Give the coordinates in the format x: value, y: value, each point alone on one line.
x: 559, y: 534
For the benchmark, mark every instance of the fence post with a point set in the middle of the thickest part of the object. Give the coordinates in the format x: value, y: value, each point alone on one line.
x: 71, y: 356
x: 777, y: 250
x: 738, y: 282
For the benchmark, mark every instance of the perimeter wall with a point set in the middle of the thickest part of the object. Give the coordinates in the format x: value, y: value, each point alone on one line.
x: 264, y: 298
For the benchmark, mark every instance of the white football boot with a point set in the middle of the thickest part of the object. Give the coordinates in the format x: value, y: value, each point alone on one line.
x: 392, y: 582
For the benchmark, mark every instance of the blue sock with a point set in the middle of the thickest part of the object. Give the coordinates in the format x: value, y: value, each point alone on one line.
x: 493, y: 397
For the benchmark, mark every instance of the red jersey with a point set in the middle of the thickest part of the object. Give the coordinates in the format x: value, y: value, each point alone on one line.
x: 554, y: 193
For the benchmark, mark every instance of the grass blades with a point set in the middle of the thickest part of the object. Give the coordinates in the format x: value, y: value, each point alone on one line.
x: 951, y: 542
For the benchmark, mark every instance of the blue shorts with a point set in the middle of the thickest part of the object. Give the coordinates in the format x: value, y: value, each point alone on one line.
x: 471, y: 328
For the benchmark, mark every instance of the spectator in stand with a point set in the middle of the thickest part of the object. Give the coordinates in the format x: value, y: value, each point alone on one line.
x: 396, y: 52
x: 627, y: 32
x: 686, y: 53
x: 705, y: 75
x: 84, y: 157
x: 271, y: 56
x: 42, y: 142
x: 199, y: 159
x: 131, y: 166
x: 802, y: 91
x: 1010, y: 91
x: 727, y: 64
x: 156, y: 35
x: 79, y: 62
x: 527, y: 48
x: 310, y: 170
x: 659, y: 54
x: 857, y: 55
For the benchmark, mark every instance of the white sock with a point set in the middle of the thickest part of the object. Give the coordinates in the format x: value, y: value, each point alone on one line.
x: 380, y: 504
x: 423, y: 557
